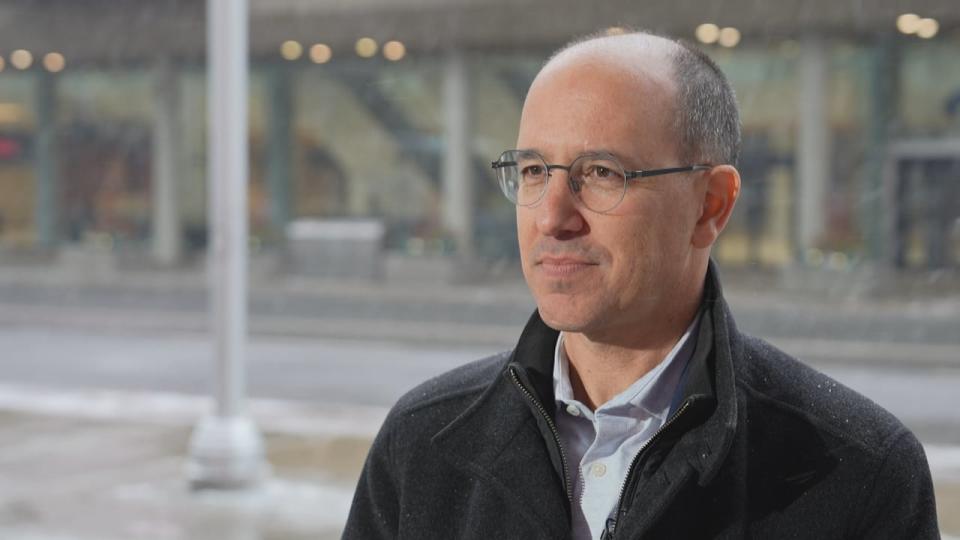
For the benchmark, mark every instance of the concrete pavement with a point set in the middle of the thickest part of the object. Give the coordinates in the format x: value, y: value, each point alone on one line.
x: 109, y: 465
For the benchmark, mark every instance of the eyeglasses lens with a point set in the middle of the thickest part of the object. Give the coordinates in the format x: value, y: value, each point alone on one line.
x: 597, y: 181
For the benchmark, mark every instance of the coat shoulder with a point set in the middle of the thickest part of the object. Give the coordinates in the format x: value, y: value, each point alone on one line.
x: 431, y: 405
x: 799, y: 393
x: 455, y: 385
x: 815, y: 444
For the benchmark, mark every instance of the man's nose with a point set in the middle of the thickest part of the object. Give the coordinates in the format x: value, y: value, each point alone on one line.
x: 558, y: 213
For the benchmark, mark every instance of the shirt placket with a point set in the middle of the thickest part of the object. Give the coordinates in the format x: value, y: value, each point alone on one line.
x: 598, y: 473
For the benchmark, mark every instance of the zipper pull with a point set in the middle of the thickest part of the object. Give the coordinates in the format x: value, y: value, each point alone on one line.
x: 608, y: 529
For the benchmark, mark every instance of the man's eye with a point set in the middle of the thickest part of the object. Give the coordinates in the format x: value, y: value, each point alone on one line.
x: 532, y: 170
x: 600, y: 172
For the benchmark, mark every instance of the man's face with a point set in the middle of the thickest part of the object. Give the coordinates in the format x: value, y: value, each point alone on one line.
x: 601, y: 273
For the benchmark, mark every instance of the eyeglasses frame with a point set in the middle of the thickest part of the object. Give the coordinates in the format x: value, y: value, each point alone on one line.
x: 627, y: 175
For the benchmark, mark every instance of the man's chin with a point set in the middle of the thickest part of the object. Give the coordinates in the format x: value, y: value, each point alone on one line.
x: 569, y: 309
x: 563, y: 319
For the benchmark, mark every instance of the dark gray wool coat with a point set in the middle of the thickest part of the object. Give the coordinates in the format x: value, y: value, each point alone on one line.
x: 762, y: 447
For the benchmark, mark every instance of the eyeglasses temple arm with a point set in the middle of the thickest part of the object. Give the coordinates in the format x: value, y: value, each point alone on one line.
x: 671, y: 170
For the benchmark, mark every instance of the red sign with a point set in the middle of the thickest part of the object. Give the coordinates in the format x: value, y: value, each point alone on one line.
x: 10, y: 148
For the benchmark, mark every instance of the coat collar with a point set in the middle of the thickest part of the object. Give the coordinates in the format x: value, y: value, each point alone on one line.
x: 709, y: 380
x: 518, y: 454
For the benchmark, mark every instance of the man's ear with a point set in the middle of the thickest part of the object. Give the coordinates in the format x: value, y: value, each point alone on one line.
x: 722, y: 190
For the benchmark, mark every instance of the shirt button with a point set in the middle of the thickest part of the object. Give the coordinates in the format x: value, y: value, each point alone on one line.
x: 573, y: 410
x: 599, y: 469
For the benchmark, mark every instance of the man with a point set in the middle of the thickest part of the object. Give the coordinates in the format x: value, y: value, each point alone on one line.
x: 631, y: 406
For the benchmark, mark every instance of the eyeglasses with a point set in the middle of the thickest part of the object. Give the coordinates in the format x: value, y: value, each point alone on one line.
x: 597, y: 179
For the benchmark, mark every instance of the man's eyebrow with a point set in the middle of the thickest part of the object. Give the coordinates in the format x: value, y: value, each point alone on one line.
x: 627, y: 162
x: 630, y: 162
x: 587, y: 152
x: 603, y: 151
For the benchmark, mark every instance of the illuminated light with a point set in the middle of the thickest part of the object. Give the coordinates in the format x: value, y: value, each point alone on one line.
x: 729, y: 37
x: 908, y: 23
x: 394, y: 50
x: 708, y: 33
x: 927, y: 28
x: 54, y: 62
x: 366, y: 47
x: 3, y: 63
x: 321, y: 53
x: 21, y: 59
x: 615, y: 31
x: 291, y: 50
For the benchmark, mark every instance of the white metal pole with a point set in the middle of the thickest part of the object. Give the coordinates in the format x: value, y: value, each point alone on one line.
x: 227, y: 137
x: 226, y: 447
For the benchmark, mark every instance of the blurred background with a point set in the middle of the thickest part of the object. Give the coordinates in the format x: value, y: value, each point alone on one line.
x: 381, y: 250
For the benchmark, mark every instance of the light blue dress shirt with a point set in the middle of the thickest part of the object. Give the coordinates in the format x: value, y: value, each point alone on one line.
x: 601, y: 444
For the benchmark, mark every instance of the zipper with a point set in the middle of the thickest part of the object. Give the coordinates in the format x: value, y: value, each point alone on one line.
x: 553, y: 430
x: 611, y: 523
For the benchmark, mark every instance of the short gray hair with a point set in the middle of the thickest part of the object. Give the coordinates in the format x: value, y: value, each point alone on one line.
x: 707, y: 119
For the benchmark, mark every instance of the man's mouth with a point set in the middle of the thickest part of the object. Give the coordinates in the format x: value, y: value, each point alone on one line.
x: 563, y: 266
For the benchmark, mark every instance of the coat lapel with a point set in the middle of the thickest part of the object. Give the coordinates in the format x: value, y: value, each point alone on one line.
x: 497, y: 441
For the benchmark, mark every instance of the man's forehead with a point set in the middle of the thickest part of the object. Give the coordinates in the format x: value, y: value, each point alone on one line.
x: 610, y: 88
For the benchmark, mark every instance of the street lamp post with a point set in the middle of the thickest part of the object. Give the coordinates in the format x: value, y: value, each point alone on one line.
x: 226, y: 448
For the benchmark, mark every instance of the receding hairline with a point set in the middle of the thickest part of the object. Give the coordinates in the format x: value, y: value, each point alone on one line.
x: 624, y: 49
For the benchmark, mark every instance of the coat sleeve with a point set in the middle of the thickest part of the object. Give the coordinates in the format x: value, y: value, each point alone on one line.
x: 374, y: 513
x: 901, y: 503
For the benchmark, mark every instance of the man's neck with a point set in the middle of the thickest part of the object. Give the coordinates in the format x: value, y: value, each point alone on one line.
x: 603, y: 366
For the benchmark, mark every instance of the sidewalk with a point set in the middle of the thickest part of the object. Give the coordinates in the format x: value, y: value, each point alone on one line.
x: 99, y: 465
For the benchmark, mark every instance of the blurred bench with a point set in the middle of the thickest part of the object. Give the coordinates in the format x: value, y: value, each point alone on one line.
x: 336, y: 248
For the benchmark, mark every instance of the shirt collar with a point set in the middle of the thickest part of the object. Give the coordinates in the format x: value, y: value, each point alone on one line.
x: 653, y: 392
